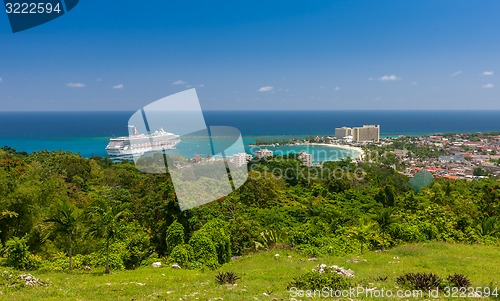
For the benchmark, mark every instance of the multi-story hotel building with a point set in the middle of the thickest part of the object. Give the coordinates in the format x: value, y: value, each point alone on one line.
x: 263, y: 153
x: 305, y: 158
x: 341, y: 133
x: 366, y: 133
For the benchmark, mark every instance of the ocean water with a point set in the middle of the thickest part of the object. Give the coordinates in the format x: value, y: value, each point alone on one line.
x: 88, y: 133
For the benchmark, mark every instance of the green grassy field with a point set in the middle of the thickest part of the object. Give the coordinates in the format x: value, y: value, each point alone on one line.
x: 265, y: 276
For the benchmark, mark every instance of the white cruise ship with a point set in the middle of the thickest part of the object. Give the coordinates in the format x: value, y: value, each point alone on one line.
x: 138, y: 144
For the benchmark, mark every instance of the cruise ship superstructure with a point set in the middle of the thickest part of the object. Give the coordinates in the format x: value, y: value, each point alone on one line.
x: 138, y: 144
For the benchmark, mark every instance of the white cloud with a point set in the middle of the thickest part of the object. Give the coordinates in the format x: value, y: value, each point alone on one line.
x: 414, y: 83
x: 456, y: 73
x: 488, y: 73
x: 266, y: 89
x: 119, y: 86
x: 386, y: 78
x: 201, y: 85
x: 179, y: 82
x: 337, y: 88
x: 488, y: 86
x: 1, y: 80
x: 76, y: 85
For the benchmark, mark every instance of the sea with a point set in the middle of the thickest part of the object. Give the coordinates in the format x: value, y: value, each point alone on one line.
x: 88, y: 133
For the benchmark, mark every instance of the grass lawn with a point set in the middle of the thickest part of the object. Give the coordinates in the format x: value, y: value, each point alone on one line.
x: 265, y: 276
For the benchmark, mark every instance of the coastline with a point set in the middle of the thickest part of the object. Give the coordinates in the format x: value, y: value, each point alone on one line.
x: 359, y: 150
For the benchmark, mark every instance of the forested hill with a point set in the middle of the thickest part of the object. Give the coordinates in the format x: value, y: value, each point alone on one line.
x: 56, y: 205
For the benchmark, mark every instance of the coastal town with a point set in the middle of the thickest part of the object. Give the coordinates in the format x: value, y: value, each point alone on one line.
x: 451, y: 156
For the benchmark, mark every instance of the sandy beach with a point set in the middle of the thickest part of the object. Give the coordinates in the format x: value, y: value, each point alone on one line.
x: 358, y: 150
x: 346, y: 147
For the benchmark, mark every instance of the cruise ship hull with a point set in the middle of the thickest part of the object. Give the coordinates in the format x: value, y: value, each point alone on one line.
x: 139, y: 144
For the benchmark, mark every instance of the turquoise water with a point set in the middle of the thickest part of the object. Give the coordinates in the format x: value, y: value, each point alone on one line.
x: 89, y: 147
x: 320, y: 153
x: 95, y: 146
x: 88, y: 133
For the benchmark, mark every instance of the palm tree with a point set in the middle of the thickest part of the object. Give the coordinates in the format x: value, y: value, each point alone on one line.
x: 64, y: 220
x: 7, y: 214
x: 385, y: 219
x: 363, y: 232
x: 105, y: 217
x: 489, y: 226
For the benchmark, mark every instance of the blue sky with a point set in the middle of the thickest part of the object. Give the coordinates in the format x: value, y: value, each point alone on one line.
x: 255, y: 55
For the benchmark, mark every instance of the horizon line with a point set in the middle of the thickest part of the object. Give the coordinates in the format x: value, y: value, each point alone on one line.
x: 258, y: 110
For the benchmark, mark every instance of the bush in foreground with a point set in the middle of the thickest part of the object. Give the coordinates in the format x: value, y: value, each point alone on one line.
x: 18, y: 255
x: 226, y: 278
x: 182, y: 255
x: 459, y: 280
x: 217, y: 230
x: 175, y: 236
x: 204, y: 250
x: 320, y: 279
x: 420, y: 281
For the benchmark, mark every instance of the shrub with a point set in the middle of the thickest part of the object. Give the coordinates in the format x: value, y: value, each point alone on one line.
x: 117, y: 255
x: 18, y: 255
x: 150, y: 259
x: 308, y: 250
x: 366, y: 234
x: 60, y: 263
x: 420, y: 281
x: 304, y: 234
x: 226, y: 278
x: 115, y: 261
x: 136, y: 243
x: 204, y: 250
x: 313, y: 280
x: 458, y: 280
x: 217, y: 230
x: 270, y: 238
x: 53, y: 266
x: 339, y: 246
x: 196, y: 265
x: 34, y: 262
x: 80, y: 261
x: 489, y: 240
x: 175, y: 236
x: 407, y: 232
x: 429, y: 230
x: 243, y: 236
x: 182, y: 255
x: 381, y: 278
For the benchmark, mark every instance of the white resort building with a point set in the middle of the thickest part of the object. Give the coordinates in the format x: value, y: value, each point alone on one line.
x: 305, y: 158
x: 240, y: 159
x: 343, y: 132
x: 263, y: 153
x: 366, y: 133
